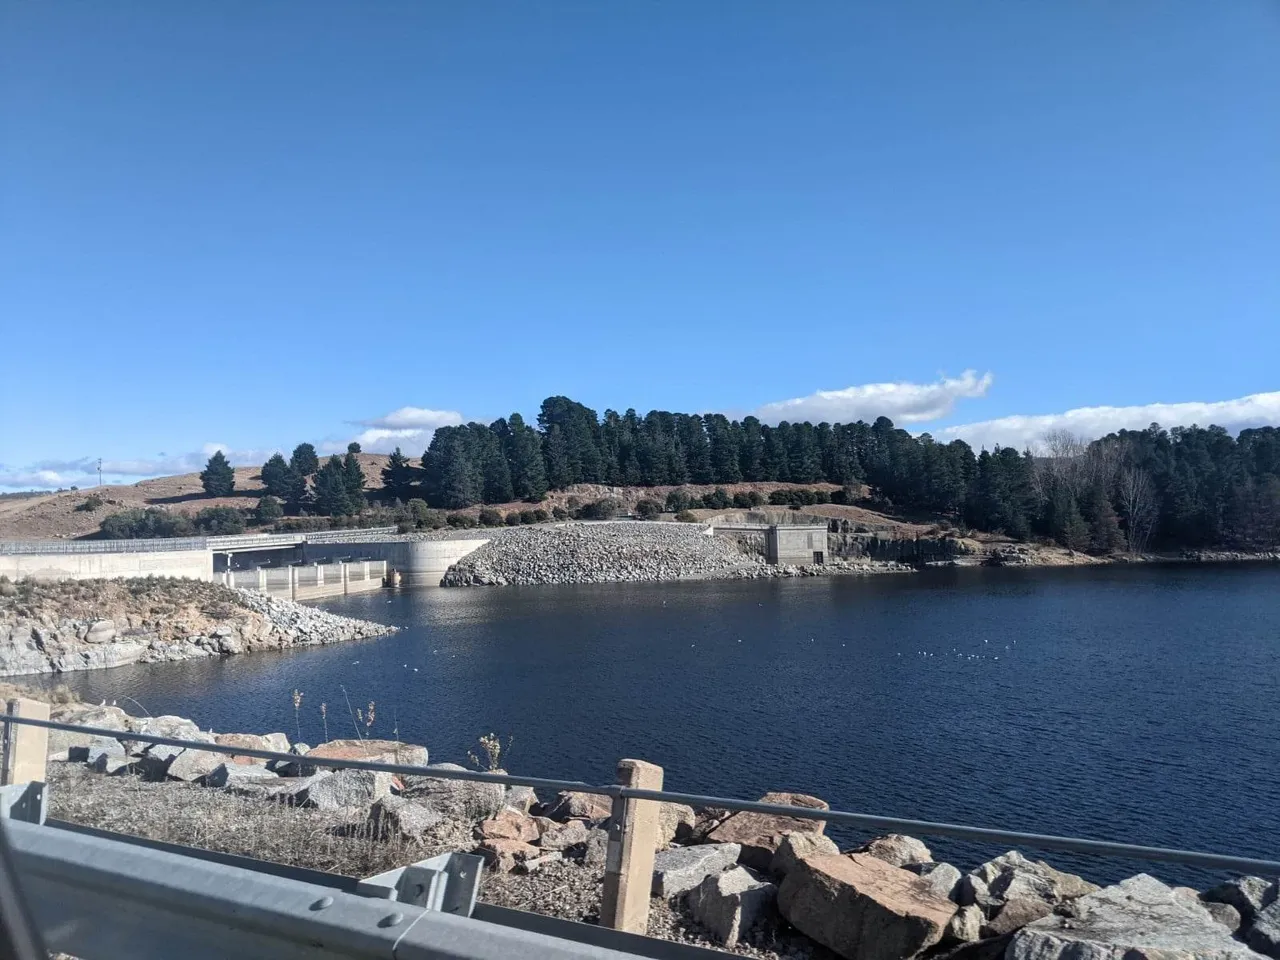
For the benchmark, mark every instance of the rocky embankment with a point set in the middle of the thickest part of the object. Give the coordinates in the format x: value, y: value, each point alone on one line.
x: 622, y: 552
x: 56, y: 627
x: 760, y: 885
x: 598, y: 553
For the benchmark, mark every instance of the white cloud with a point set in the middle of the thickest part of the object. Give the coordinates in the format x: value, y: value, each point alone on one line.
x: 900, y: 402
x: 1256, y: 410
x: 414, y: 418
x: 409, y: 428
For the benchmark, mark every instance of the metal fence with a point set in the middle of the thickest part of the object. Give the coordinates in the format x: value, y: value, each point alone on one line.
x: 1105, y: 848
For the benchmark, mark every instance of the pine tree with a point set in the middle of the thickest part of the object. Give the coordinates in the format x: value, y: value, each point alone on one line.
x: 556, y: 450
x: 353, y: 477
x: 1105, y: 535
x: 304, y: 460
x: 217, y: 478
x: 524, y: 457
x: 276, y: 479
x: 332, y: 499
x: 268, y: 510
x: 397, y: 475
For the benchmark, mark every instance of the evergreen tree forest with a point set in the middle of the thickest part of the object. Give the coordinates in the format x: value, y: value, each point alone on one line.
x: 1187, y: 487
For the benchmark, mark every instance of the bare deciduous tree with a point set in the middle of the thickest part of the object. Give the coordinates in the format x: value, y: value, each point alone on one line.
x: 1137, y: 505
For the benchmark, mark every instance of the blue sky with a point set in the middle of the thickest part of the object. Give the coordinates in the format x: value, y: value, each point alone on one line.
x: 249, y: 224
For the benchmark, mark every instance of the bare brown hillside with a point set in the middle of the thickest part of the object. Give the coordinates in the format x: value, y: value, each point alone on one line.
x: 55, y: 516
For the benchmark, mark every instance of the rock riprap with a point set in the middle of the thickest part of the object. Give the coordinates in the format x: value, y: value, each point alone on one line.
x: 599, y: 553
x: 92, y: 624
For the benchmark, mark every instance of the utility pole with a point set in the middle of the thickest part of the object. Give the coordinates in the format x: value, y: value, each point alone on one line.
x: 99, y: 471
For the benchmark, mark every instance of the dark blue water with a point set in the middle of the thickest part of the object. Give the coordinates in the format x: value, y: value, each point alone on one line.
x: 1135, y: 704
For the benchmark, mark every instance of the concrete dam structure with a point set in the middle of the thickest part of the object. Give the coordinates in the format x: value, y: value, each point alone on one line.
x: 410, y: 562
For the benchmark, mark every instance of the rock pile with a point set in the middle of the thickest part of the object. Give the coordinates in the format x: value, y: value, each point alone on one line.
x: 107, y: 623
x: 599, y: 553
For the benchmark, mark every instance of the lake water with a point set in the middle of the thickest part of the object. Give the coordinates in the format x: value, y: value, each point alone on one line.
x: 1137, y: 704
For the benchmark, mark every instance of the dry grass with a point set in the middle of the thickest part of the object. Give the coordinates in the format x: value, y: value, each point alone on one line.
x: 216, y: 820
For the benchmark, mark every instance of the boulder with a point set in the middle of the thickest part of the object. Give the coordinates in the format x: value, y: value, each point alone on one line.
x: 1136, y: 919
x: 941, y: 877
x: 347, y: 790
x: 1012, y: 874
x: 897, y: 849
x: 373, y: 751
x: 965, y: 926
x: 863, y: 908
x: 565, y: 836
x: 106, y: 718
x: 1224, y: 913
x: 705, y: 820
x: 249, y: 741
x: 278, y: 742
x: 291, y: 791
x: 177, y: 728
x: 101, y: 631
x: 1264, y: 933
x: 800, y: 846
x: 579, y: 806
x: 1013, y: 914
x: 520, y: 799
x: 1249, y: 895
x: 98, y: 748
x: 224, y: 773
x: 729, y: 904
x: 970, y: 890
x: 154, y: 762
x: 675, y: 820
x: 468, y: 800
x: 508, y: 825
x: 503, y: 855
x: 760, y: 834
x: 595, y: 852
x: 191, y: 765
x: 393, y: 817
x: 678, y: 870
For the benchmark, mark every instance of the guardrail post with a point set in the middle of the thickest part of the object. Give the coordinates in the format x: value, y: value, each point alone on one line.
x: 633, y: 839
x: 319, y: 575
x: 25, y: 748
x: 262, y: 579
x: 293, y: 583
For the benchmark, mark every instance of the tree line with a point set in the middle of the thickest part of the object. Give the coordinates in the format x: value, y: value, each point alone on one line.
x: 1154, y: 488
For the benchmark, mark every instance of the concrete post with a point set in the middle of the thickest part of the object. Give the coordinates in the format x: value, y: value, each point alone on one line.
x: 633, y: 838
x: 365, y: 566
x: 262, y: 579
x: 319, y: 575
x: 25, y: 748
x: 346, y: 578
x: 293, y: 583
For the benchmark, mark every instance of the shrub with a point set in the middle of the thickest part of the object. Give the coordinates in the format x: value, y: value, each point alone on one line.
x: 490, y: 517
x: 678, y: 500
x: 404, y: 526
x: 143, y: 524
x: 419, y: 511
x: 780, y: 498
x: 560, y: 513
x: 526, y: 516
x: 512, y: 519
x: 90, y: 503
x: 268, y: 510
x: 603, y: 509
x: 821, y: 496
x: 741, y: 500
x: 647, y: 509
x: 540, y: 516
x: 220, y: 521
x: 755, y: 498
x: 717, y: 499
x: 685, y: 516
x: 804, y: 498
x: 463, y: 521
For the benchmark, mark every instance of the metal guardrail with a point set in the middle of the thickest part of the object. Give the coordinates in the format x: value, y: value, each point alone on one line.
x: 10, y: 547
x: 246, y: 541
x: 1128, y: 851
x: 98, y: 897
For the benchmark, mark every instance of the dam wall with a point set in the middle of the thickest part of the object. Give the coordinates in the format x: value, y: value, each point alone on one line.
x: 420, y: 563
x: 186, y: 564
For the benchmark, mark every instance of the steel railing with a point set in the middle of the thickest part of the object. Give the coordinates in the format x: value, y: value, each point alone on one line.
x: 1106, y: 848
